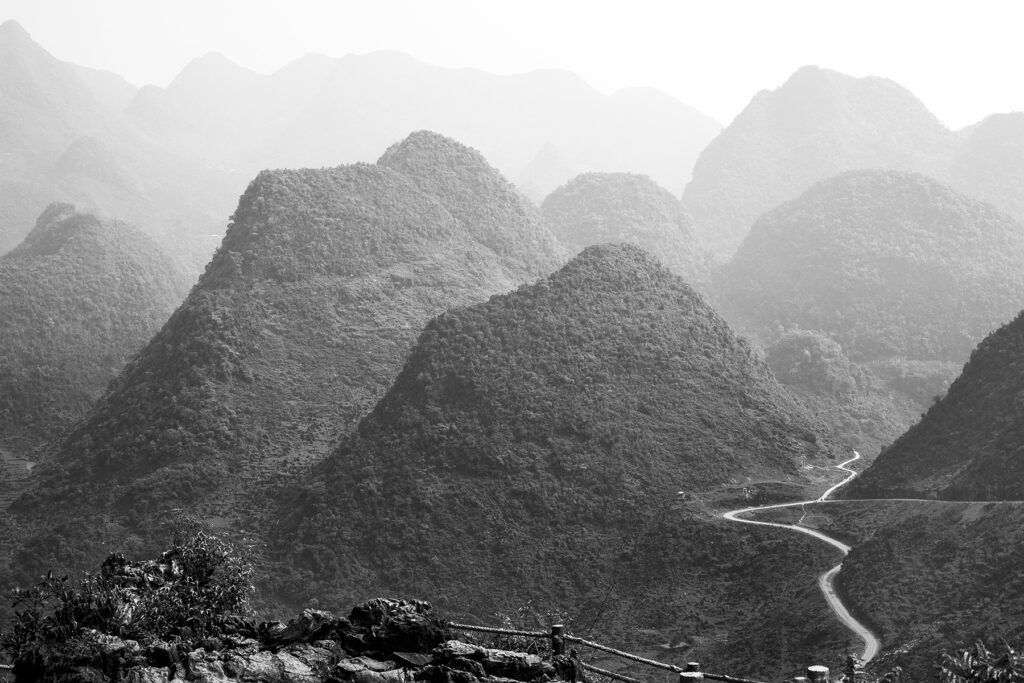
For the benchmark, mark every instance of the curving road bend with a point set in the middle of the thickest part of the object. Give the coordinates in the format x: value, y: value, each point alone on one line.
x: 827, y: 580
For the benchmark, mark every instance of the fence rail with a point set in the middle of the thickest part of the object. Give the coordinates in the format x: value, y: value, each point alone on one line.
x: 559, y: 638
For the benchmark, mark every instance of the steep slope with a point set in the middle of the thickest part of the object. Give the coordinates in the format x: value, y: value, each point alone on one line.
x: 888, y: 264
x: 969, y: 444
x: 320, y: 111
x: 817, y: 124
x: 297, y: 327
x: 534, y: 448
x: 935, y: 577
x: 595, y: 208
x: 989, y: 164
x: 78, y: 298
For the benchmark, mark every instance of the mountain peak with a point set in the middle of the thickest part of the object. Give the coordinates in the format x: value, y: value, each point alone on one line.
x: 53, y: 229
x: 459, y: 175
x: 423, y: 147
x: 212, y: 69
x: 11, y: 30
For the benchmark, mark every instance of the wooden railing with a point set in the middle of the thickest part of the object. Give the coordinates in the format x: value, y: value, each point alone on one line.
x: 559, y: 638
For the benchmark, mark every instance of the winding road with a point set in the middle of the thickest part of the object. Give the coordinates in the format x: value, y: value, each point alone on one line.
x: 826, y: 580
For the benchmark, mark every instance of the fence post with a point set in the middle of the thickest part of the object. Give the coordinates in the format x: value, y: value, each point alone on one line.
x: 690, y: 672
x: 817, y: 674
x: 557, y: 641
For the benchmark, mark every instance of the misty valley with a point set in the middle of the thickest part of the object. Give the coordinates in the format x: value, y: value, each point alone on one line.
x: 372, y: 371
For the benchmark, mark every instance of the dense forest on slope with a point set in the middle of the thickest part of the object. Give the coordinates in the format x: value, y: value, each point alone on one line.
x: 938, y: 575
x: 596, y: 208
x: 888, y: 264
x: 970, y: 444
x: 865, y: 407
x: 532, y: 441
x: 296, y: 329
x: 817, y: 124
x: 78, y: 298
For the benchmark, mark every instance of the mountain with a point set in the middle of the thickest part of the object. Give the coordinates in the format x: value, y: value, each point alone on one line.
x: 817, y: 124
x: 320, y: 111
x: 78, y: 298
x: 989, y: 163
x: 554, y: 446
x: 595, y: 208
x: 968, y: 445
x: 60, y: 138
x: 295, y: 330
x: 109, y: 88
x: 889, y: 264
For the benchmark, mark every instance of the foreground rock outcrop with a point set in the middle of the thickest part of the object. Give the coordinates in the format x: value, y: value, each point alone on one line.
x: 381, y: 641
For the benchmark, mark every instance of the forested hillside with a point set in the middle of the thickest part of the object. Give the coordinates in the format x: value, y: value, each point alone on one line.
x: 970, y: 444
x: 888, y: 264
x: 539, y: 442
x: 78, y: 298
x: 935, y: 576
x: 296, y: 329
x: 595, y: 208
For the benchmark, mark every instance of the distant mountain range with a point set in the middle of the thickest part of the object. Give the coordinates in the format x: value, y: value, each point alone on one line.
x: 820, y: 123
x: 539, y: 128
x: 61, y: 141
x: 174, y: 160
x: 78, y: 297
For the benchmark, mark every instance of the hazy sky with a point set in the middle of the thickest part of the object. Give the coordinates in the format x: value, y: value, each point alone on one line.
x: 963, y: 59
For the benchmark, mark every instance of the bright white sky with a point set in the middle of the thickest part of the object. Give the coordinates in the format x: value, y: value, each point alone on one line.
x: 964, y: 59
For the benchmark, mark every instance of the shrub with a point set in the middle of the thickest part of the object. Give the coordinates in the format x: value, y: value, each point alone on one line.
x: 184, y: 595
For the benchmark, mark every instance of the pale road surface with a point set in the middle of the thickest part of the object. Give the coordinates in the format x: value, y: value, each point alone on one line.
x: 827, y: 580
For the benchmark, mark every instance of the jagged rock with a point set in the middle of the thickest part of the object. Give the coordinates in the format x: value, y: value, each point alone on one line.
x: 387, y: 626
x: 498, y: 663
x: 319, y: 658
x: 366, y: 670
x: 147, y: 674
x: 309, y: 626
x: 260, y: 665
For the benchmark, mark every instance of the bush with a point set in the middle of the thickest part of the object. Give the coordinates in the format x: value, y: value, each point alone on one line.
x: 184, y: 595
x: 981, y: 665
